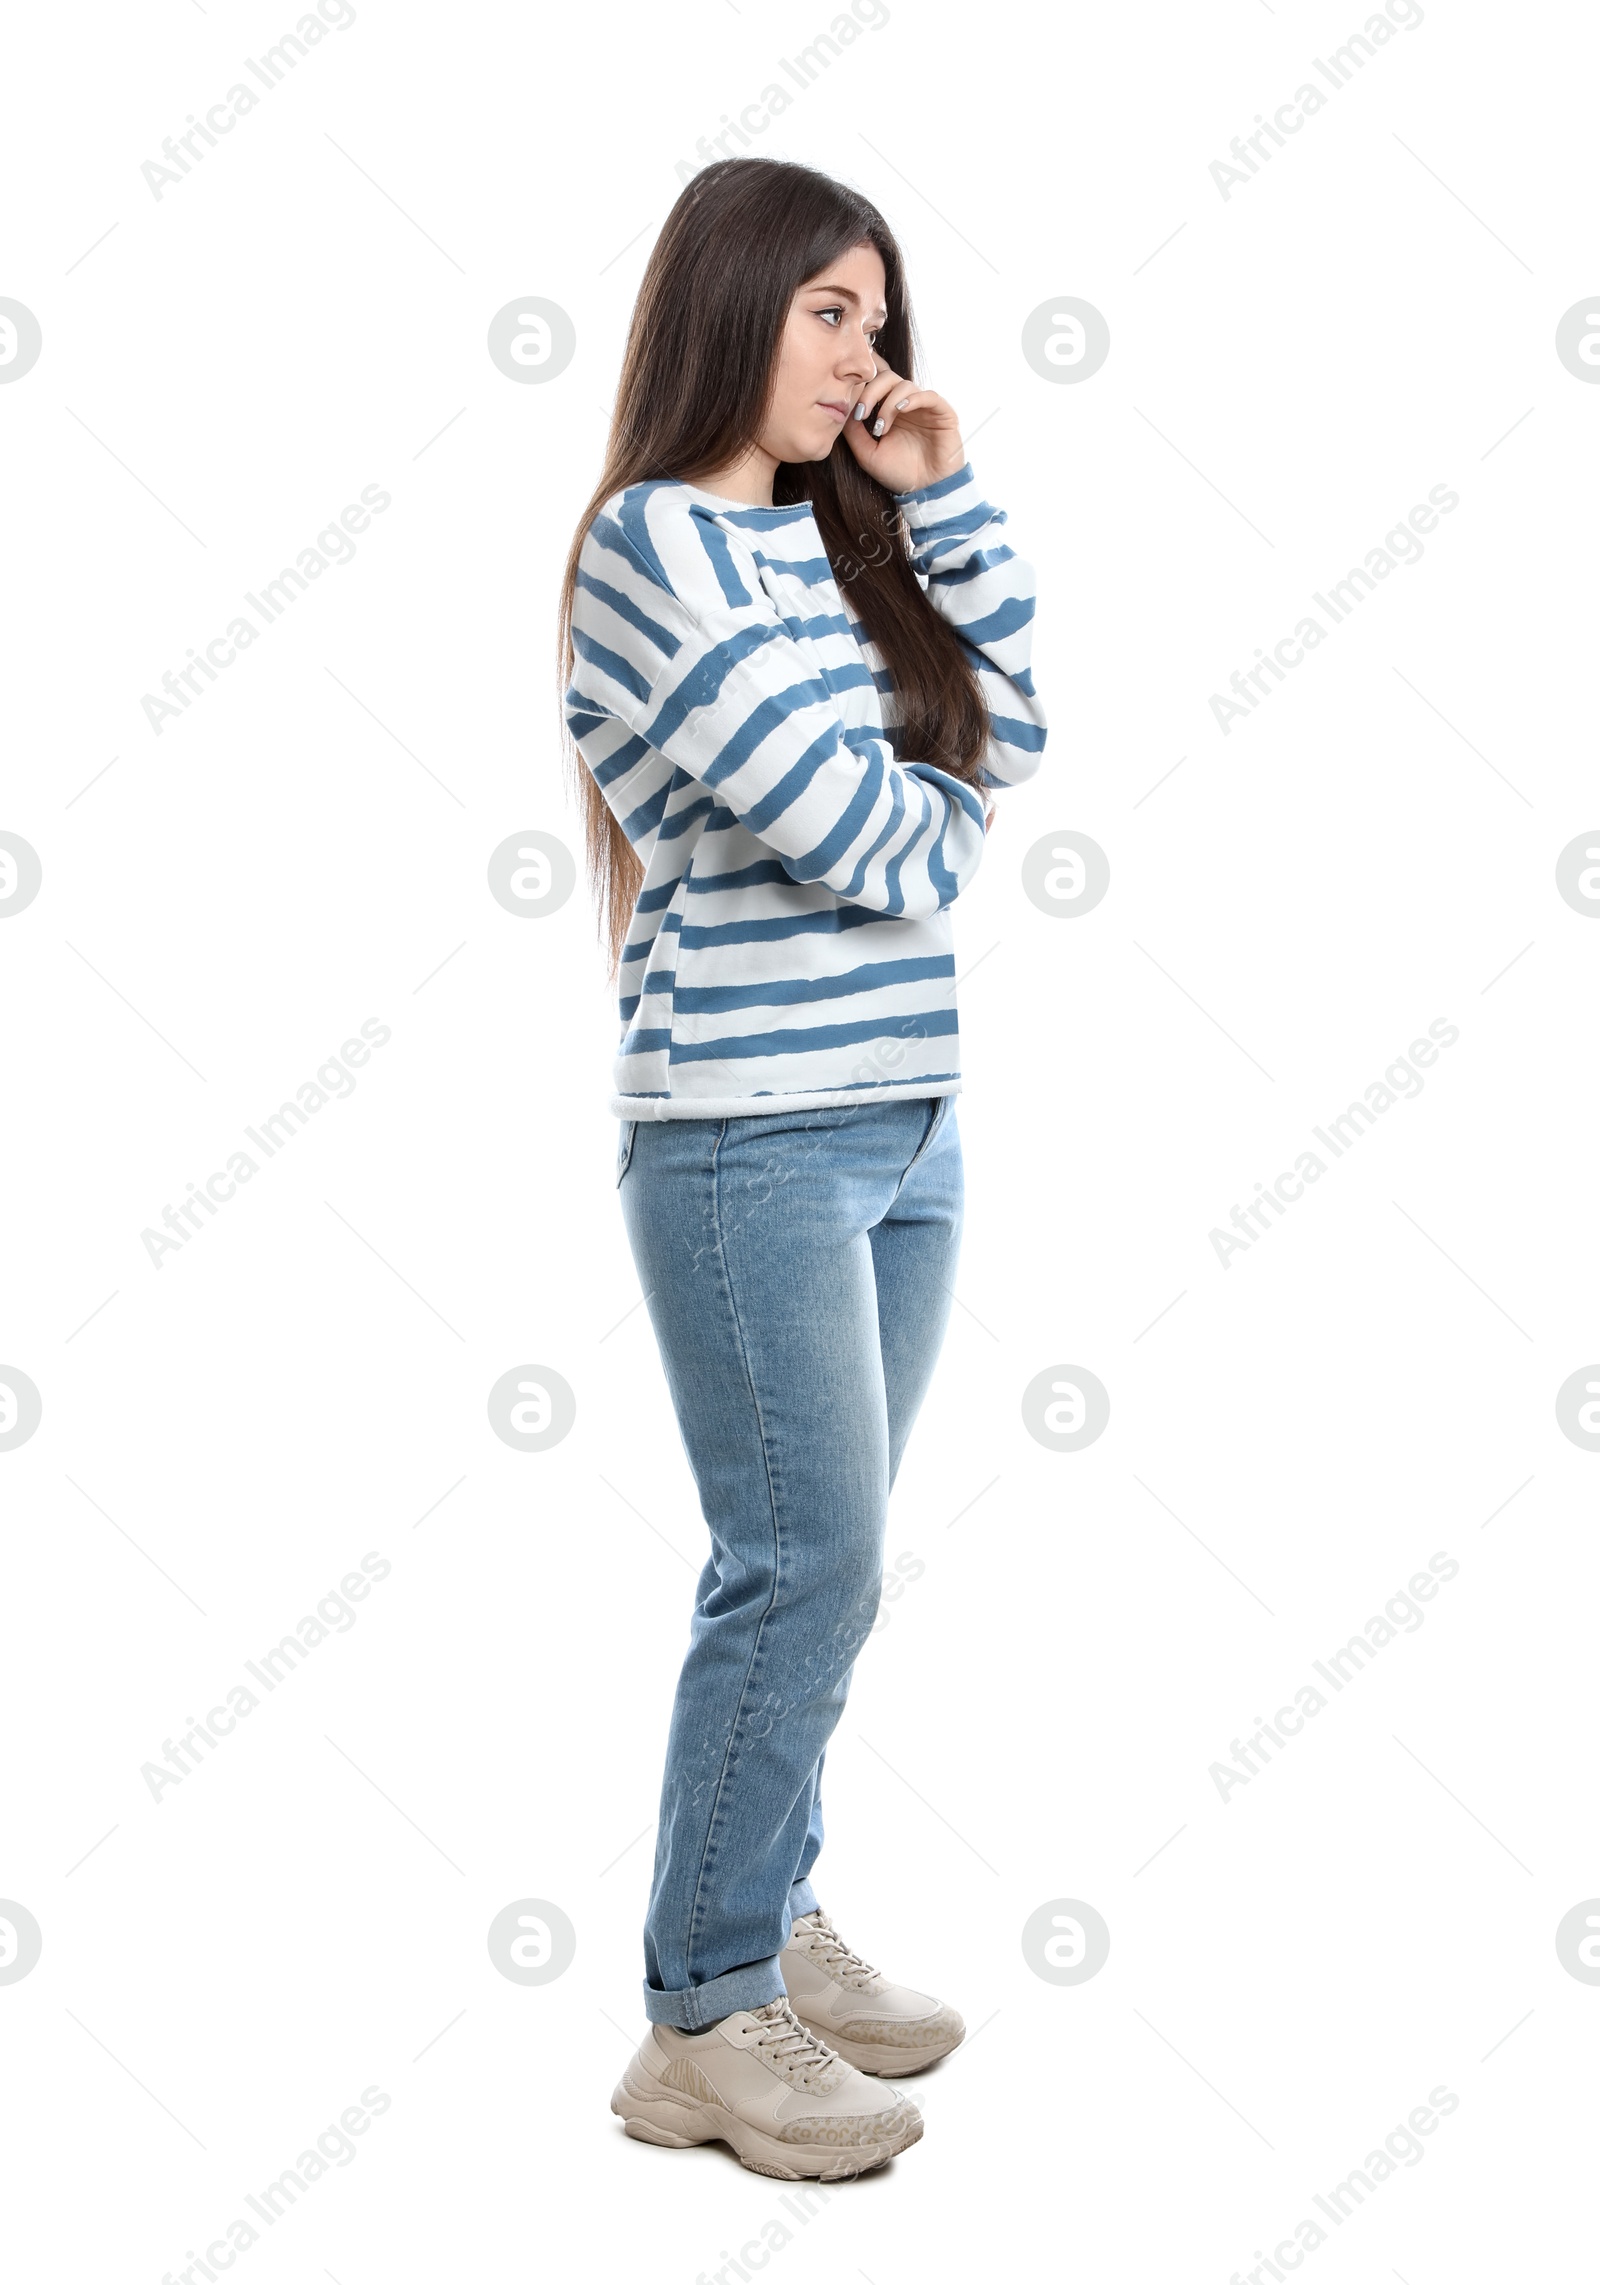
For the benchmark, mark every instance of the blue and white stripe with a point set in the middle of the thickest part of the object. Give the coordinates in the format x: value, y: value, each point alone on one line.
x: 791, y: 946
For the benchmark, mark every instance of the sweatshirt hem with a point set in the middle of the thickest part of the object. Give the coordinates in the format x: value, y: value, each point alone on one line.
x: 756, y: 1106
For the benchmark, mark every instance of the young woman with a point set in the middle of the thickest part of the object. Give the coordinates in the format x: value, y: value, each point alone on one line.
x: 795, y: 655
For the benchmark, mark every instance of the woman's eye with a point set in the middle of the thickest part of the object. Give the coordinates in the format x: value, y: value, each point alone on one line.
x: 835, y: 315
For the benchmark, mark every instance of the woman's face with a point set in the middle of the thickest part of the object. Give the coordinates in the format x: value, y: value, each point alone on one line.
x: 825, y: 356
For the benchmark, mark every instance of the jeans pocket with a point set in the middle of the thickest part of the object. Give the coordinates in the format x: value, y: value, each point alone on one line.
x: 941, y: 1107
x: 630, y: 1128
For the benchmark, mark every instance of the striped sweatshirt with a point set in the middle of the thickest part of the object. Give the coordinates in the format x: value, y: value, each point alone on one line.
x: 791, y: 946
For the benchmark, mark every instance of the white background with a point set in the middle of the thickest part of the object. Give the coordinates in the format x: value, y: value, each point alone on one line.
x: 1291, y: 1436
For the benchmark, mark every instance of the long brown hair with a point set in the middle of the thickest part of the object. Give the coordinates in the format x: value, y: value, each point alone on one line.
x: 697, y: 377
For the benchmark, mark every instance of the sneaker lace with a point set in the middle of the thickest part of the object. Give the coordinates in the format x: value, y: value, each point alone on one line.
x: 836, y: 1955
x: 788, y: 2043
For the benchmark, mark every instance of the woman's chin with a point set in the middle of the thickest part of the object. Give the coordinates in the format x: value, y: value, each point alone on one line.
x: 813, y: 448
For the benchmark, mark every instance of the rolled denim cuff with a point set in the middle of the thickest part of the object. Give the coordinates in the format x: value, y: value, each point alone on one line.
x: 704, y: 2004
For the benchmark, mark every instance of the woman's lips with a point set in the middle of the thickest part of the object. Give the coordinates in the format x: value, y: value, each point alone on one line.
x: 839, y: 409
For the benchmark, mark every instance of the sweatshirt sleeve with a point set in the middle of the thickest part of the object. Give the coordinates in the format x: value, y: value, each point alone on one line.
x: 985, y: 590
x: 676, y: 637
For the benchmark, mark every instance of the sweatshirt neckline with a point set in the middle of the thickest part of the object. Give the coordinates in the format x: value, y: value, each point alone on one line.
x: 788, y: 508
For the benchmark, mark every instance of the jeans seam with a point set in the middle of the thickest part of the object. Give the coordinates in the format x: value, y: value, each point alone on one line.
x: 777, y: 1561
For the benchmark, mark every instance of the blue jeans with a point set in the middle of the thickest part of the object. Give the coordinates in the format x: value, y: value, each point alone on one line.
x: 797, y: 1267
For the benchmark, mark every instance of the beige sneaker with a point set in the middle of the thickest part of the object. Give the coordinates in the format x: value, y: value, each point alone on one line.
x: 881, y: 2027
x: 759, y: 2081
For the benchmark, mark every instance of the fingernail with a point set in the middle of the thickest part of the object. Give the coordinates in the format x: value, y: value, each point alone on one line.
x: 860, y: 413
x: 877, y: 428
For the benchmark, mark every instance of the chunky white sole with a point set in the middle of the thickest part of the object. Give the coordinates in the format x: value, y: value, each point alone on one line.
x: 651, y: 2112
x: 882, y: 2062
